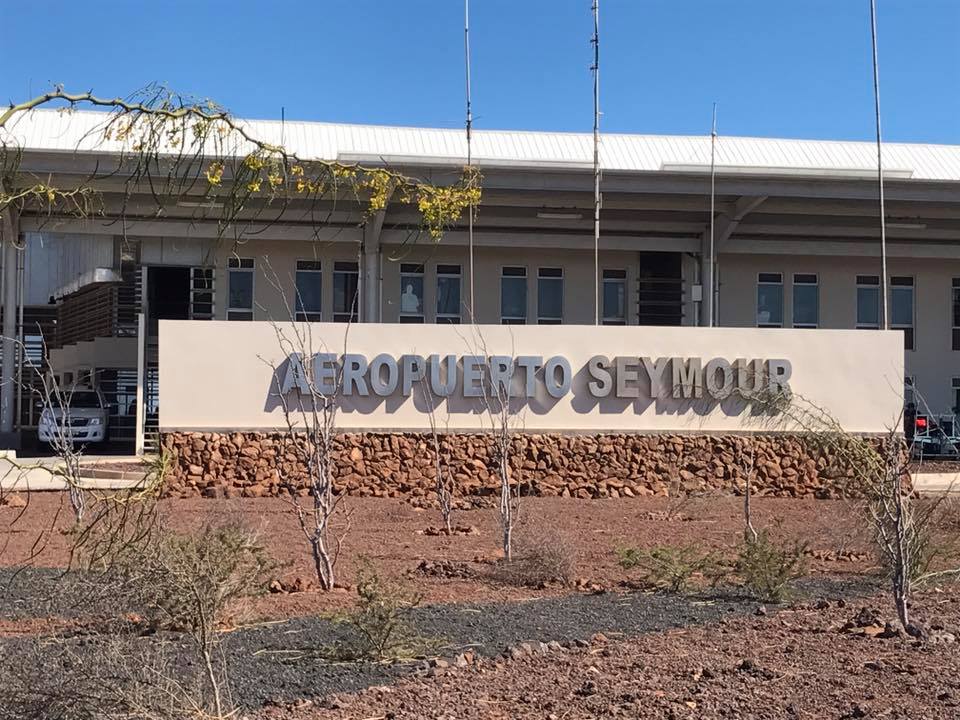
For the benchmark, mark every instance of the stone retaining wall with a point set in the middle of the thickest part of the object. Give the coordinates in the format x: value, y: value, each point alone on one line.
x: 583, y: 466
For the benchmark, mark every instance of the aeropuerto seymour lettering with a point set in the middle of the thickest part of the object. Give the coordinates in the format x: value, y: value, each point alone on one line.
x: 530, y: 375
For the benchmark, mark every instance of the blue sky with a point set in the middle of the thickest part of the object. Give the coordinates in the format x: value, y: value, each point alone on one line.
x: 787, y: 68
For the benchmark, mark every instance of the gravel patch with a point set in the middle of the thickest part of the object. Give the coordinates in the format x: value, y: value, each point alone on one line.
x: 36, y: 592
x: 278, y: 662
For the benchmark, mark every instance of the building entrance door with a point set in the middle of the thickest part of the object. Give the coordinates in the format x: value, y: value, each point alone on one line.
x: 168, y: 295
x: 660, y: 289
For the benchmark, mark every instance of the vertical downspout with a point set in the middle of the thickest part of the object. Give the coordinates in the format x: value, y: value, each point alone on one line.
x: 7, y: 365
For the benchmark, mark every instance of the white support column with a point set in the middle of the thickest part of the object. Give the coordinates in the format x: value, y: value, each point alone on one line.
x: 726, y: 224
x: 141, y: 381
x: 371, y: 267
x: 8, y: 389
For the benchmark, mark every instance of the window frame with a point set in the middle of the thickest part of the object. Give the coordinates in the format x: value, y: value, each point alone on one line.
x: 909, y: 335
x: 441, y: 272
x: 241, y: 266
x: 769, y: 283
x: 515, y: 320
x: 415, y: 270
x: 542, y: 319
x: 793, y: 298
x: 202, y: 285
x: 621, y: 280
x: 302, y: 314
x: 955, y: 386
x: 353, y: 314
x: 868, y: 282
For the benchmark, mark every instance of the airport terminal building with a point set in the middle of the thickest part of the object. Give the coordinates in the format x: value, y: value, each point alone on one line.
x: 795, y: 229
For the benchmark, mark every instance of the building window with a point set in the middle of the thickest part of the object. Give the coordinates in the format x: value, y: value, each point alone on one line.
x: 513, y: 296
x: 770, y: 300
x: 614, y: 297
x: 411, y: 293
x: 240, y: 289
x: 868, y: 301
x: 346, y: 285
x: 806, y: 300
x: 901, y: 308
x: 448, y: 294
x: 955, y: 386
x: 550, y: 296
x: 309, y: 284
x: 956, y: 313
x: 201, y: 293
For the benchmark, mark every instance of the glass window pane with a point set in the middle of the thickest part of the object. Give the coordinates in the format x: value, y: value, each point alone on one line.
x: 241, y: 290
x: 806, y: 310
x: 550, y: 298
x: 411, y: 294
x: 769, y: 304
x: 448, y: 295
x: 956, y: 304
x: 513, y: 297
x: 308, y: 291
x: 868, y: 306
x: 345, y: 292
x: 901, y: 306
x: 614, y: 300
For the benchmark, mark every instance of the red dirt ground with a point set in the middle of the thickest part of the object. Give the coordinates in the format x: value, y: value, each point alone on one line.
x: 796, y: 664
x: 390, y: 534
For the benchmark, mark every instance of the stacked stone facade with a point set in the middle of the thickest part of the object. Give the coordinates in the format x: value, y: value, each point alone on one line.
x: 244, y: 464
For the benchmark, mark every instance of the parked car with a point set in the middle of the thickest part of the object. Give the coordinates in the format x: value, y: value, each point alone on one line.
x: 936, y: 437
x: 87, y: 414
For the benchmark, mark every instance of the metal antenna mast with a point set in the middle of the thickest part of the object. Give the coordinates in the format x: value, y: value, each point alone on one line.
x: 596, y: 161
x: 713, y: 200
x: 469, y: 128
x: 885, y: 320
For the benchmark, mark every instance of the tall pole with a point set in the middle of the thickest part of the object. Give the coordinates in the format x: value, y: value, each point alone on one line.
x: 713, y: 202
x: 885, y: 319
x: 469, y: 128
x: 596, y: 162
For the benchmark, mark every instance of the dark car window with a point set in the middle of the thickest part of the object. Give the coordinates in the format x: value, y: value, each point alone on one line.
x: 84, y: 400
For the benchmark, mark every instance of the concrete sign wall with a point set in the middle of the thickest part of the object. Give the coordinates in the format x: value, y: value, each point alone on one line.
x: 237, y: 375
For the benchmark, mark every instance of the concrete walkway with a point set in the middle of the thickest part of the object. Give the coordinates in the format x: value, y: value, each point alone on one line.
x: 36, y: 474
x: 28, y: 474
x: 937, y: 483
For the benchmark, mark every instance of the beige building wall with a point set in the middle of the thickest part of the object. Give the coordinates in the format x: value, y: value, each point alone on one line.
x: 932, y: 363
x: 578, y: 282
x: 276, y: 261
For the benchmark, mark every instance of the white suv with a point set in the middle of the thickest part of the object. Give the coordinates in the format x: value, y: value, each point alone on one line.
x: 87, y: 415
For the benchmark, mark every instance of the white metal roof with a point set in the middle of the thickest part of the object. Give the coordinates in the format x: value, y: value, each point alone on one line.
x: 53, y: 130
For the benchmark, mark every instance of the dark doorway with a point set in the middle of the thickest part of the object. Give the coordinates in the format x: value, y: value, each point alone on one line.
x: 660, y: 288
x: 168, y: 295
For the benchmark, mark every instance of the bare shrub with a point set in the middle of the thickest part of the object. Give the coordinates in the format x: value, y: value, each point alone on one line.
x: 310, y: 407
x: 541, y: 555
x: 444, y: 483
x: 379, y: 625
x: 672, y: 567
x: 767, y: 567
x: 187, y: 581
